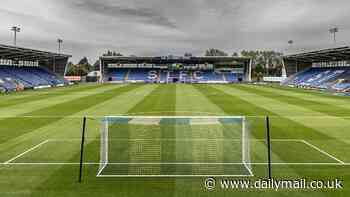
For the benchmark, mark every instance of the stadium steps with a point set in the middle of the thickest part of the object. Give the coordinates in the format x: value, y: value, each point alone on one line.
x: 20, y: 79
x: 41, y: 77
x: 291, y: 78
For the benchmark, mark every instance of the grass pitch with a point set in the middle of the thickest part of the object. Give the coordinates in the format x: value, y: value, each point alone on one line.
x: 40, y: 131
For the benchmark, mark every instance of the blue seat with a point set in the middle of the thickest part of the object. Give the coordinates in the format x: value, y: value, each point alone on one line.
x: 29, y: 77
x: 320, y: 77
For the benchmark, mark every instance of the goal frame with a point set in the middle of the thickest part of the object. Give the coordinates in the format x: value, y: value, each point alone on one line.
x: 104, y: 148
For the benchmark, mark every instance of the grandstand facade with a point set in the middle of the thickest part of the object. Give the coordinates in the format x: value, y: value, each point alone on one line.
x: 23, y: 68
x: 117, y: 69
x: 327, y: 69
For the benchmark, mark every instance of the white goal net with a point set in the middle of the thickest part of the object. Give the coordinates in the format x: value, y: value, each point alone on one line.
x: 141, y: 146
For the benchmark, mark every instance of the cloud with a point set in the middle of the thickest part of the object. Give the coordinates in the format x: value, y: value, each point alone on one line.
x: 146, y: 15
x: 159, y: 27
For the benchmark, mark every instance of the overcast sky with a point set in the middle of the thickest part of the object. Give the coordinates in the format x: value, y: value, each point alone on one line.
x: 162, y: 27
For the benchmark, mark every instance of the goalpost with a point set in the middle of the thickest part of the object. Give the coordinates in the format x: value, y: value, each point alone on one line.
x: 179, y: 146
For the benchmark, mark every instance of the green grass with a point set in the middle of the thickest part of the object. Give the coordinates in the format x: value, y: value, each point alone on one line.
x: 300, y: 121
x: 174, y: 140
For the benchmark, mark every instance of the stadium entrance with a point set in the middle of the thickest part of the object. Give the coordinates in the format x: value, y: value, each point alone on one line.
x: 175, y: 69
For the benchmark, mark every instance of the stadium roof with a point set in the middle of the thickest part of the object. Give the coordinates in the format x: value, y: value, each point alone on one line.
x: 325, y: 55
x: 209, y: 59
x: 25, y: 54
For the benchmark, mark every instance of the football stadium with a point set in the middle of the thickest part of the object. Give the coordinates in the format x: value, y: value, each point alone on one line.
x: 168, y: 125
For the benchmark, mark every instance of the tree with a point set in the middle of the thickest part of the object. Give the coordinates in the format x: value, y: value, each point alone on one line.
x: 268, y: 63
x: 84, y: 62
x: 76, y: 70
x: 188, y: 55
x: 96, y: 65
x: 81, y: 69
x: 215, y: 52
x: 258, y: 72
x: 235, y: 54
x: 112, y: 53
x: 70, y: 69
x: 108, y: 53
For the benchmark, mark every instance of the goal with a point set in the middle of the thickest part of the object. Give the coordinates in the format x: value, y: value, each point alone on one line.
x: 164, y: 146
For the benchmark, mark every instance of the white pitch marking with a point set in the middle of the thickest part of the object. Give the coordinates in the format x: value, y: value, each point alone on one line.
x: 25, y: 152
x: 175, y: 163
x: 134, y: 115
x: 247, y: 168
x: 322, y: 151
x: 100, y: 171
x: 173, y: 117
x: 339, y: 162
x: 96, y: 163
x: 168, y: 175
x: 177, y: 139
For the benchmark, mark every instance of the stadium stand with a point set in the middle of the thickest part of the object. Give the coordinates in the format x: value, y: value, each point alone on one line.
x: 7, y: 84
x: 117, y: 74
x: 119, y: 69
x: 151, y: 75
x: 163, y: 75
x: 327, y: 69
x: 333, y: 78
x: 22, y: 68
x: 185, y: 76
x: 208, y: 76
x: 234, y: 77
x: 138, y: 75
x: 29, y: 77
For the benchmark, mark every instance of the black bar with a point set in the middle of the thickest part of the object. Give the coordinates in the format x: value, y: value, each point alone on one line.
x: 82, y: 150
x: 268, y: 140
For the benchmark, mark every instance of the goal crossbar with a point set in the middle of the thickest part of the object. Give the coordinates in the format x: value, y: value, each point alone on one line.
x: 151, y: 150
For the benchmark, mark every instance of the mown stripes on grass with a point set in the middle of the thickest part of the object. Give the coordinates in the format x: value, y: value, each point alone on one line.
x: 163, y: 96
x: 29, y: 122
x: 42, y: 96
x: 61, y: 180
x: 161, y: 102
x: 235, y: 106
x: 20, y: 108
x: 280, y: 127
x: 189, y: 101
x: 57, y: 177
x: 314, y: 105
x: 332, y: 126
x: 323, y: 94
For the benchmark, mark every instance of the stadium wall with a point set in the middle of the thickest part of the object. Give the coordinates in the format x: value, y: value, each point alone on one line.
x: 162, y: 63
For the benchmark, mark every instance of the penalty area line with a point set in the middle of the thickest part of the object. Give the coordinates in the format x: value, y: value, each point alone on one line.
x: 257, y: 164
x: 175, y: 175
x: 25, y: 152
x: 323, y: 152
